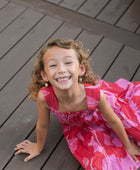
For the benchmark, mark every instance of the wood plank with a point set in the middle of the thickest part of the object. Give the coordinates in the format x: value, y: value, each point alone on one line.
x: 62, y: 158
x: 54, y: 1
x: 130, y: 20
x: 89, y: 40
x: 92, y: 8
x: 12, y: 34
x: 125, y: 65
x: 16, y: 129
x: 67, y: 31
x: 14, y: 93
x: 82, y: 21
x: 27, y: 47
x: 137, y: 75
x: 104, y: 55
x: 54, y: 135
x: 114, y: 10
x: 138, y: 168
x: 9, y: 13
x: 17, y: 87
x: 138, y: 31
x: 71, y: 4
x: 3, y: 3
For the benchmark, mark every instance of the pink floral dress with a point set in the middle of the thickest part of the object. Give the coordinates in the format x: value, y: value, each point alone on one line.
x: 89, y: 137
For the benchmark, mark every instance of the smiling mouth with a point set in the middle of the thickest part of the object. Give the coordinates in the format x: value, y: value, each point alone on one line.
x: 63, y: 79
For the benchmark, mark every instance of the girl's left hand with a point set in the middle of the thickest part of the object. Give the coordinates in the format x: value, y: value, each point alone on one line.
x: 28, y: 147
x: 134, y: 151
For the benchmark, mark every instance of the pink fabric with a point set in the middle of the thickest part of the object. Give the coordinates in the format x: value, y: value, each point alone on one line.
x: 90, y: 138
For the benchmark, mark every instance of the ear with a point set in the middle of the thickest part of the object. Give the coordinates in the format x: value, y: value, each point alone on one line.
x: 44, y: 76
x: 82, y: 69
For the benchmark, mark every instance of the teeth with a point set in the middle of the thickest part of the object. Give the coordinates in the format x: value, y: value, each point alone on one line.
x: 63, y: 79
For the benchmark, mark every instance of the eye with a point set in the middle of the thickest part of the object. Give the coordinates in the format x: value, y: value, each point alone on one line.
x: 53, y: 65
x: 69, y: 62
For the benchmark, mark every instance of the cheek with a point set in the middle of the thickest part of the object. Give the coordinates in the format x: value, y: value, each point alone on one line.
x: 75, y: 70
x: 51, y: 73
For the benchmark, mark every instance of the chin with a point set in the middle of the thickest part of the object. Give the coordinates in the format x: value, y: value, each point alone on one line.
x: 64, y: 86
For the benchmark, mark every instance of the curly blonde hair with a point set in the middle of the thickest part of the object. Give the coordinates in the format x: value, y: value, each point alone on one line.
x: 83, y: 58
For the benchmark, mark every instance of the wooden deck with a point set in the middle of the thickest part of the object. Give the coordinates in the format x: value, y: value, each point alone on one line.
x: 110, y: 29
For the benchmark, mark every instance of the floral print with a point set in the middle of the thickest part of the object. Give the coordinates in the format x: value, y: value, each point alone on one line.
x: 90, y: 138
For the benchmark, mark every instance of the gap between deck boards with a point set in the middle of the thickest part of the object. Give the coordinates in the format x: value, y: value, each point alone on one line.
x: 98, y: 27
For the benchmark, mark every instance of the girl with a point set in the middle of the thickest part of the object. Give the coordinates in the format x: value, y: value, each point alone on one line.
x: 101, y: 120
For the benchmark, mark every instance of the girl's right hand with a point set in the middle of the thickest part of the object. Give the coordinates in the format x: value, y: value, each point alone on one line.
x: 134, y: 151
x: 29, y: 148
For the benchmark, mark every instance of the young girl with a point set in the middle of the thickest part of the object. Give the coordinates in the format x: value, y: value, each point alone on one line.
x: 101, y: 120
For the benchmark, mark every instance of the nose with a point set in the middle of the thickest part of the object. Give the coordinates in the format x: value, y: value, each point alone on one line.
x: 61, y: 68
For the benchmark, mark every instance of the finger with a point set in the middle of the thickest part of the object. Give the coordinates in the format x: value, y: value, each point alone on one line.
x: 20, y: 151
x: 20, y: 146
x: 26, y: 142
x: 28, y: 158
x: 135, y: 159
x: 16, y: 148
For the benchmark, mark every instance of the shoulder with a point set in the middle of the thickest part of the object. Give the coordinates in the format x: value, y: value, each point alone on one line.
x: 103, y: 100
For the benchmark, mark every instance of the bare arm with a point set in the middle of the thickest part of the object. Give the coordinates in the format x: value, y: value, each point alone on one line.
x: 34, y: 149
x: 43, y: 122
x: 116, y: 124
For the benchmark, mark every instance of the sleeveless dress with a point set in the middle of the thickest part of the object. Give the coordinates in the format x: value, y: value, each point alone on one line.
x: 89, y: 137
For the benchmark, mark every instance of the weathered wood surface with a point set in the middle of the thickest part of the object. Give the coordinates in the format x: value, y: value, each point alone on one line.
x: 124, y: 14
x: 24, y: 31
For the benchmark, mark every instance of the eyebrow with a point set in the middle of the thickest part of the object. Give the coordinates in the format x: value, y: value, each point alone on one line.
x: 53, y: 59
x: 68, y: 57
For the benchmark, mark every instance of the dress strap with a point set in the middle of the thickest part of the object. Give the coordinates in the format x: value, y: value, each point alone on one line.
x: 93, y: 96
x: 50, y: 97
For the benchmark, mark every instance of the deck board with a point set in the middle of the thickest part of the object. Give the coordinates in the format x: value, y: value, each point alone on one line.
x: 14, y: 93
x: 22, y: 52
x: 16, y: 129
x: 74, y: 5
x: 126, y: 64
x: 130, y: 23
x: 114, y: 10
x: 18, y: 29
x: 89, y: 41
x: 9, y: 14
x: 138, y: 31
x: 100, y: 63
x: 54, y: 135
x: 92, y: 8
x: 137, y: 75
x: 3, y: 3
x: 62, y: 159
x: 67, y: 31
x: 24, y: 31
x: 54, y: 1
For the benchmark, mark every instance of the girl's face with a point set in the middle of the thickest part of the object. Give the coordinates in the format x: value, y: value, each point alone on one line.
x: 61, y: 67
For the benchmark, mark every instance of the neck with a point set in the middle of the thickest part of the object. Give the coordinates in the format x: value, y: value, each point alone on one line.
x: 68, y: 96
